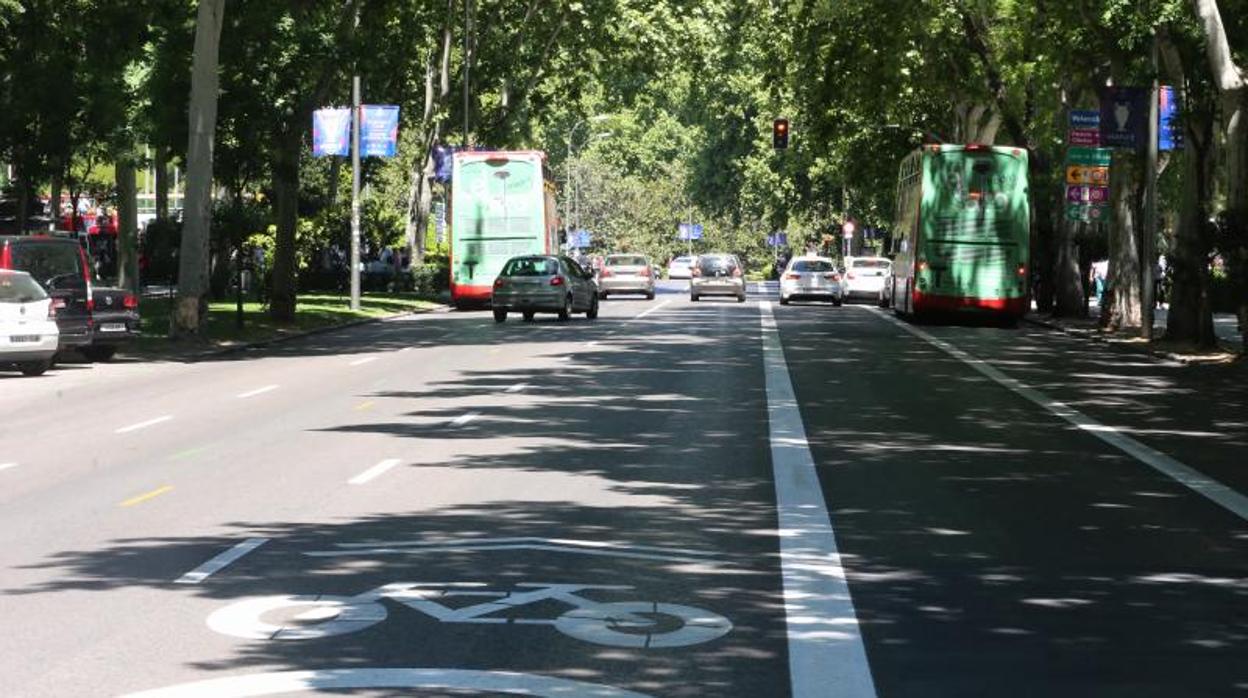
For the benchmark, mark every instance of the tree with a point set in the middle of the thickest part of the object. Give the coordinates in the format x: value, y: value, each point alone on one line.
x: 193, y: 255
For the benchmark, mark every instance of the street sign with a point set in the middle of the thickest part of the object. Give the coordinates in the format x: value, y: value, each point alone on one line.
x: 1097, y: 157
x: 580, y: 239
x: 689, y: 231
x: 1083, y: 213
x: 1170, y: 129
x: 1082, y: 174
x: 1084, y: 136
x: 848, y: 229
x: 1085, y: 118
x: 778, y: 240
x: 379, y: 131
x: 1124, y: 117
x: 331, y: 132
x: 1085, y: 194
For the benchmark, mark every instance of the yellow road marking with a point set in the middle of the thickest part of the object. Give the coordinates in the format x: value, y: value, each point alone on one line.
x: 144, y: 497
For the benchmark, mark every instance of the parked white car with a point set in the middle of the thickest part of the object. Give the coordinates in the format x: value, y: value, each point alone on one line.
x: 680, y: 268
x: 28, y: 333
x: 813, y: 278
x: 865, y: 277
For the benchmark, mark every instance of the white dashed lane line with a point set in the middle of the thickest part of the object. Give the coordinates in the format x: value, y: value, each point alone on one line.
x: 365, y: 360
x: 258, y: 391
x: 374, y: 472
x: 144, y: 425
x: 518, y: 387
x: 463, y: 419
x: 221, y: 561
x: 7, y: 466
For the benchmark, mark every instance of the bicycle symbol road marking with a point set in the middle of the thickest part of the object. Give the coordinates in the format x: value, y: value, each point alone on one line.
x: 632, y: 624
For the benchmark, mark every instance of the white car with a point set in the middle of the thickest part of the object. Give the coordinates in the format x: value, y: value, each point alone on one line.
x: 813, y: 278
x: 680, y: 268
x: 28, y: 333
x: 865, y: 277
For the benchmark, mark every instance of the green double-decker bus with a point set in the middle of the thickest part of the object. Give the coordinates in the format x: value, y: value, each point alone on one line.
x: 502, y: 206
x: 962, y: 233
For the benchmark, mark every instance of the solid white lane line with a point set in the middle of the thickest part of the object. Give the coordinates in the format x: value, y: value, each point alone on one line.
x: 463, y: 419
x: 373, y: 472
x: 258, y: 391
x: 1199, y: 483
x: 365, y: 360
x: 518, y: 387
x: 144, y: 425
x: 7, y: 466
x: 655, y: 309
x: 221, y: 561
x: 826, y: 653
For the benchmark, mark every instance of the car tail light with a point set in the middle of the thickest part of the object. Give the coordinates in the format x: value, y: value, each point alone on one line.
x: 57, y: 303
x: 499, y: 282
x: 832, y: 277
x: 557, y: 281
x: 793, y: 276
x: 605, y: 272
x: 850, y: 275
x: 736, y: 273
x: 86, y: 278
x: 130, y: 302
x: 696, y: 272
x: 645, y: 271
x: 52, y: 310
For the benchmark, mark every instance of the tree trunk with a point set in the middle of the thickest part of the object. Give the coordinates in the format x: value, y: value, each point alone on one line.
x: 1069, y: 297
x: 128, y: 225
x: 1123, y: 308
x: 161, y: 167
x: 1191, y: 317
x: 54, y: 200
x: 286, y: 199
x: 193, y: 254
x: 1235, y: 115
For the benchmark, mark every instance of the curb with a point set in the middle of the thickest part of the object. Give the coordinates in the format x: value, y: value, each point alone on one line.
x: 1100, y: 338
x: 263, y: 343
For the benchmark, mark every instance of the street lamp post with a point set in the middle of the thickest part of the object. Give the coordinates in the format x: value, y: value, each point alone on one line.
x: 568, y: 143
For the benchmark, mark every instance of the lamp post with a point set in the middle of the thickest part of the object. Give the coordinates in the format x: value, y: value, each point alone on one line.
x: 568, y: 142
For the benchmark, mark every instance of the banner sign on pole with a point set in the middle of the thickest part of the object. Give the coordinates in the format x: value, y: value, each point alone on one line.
x: 778, y: 240
x: 689, y: 231
x: 1124, y: 117
x: 379, y: 131
x: 442, y: 162
x: 331, y: 132
x: 1170, y: 131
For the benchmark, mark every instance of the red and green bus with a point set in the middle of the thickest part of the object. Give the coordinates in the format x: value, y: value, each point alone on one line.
x: 962, y: 234
x: 502, y: 206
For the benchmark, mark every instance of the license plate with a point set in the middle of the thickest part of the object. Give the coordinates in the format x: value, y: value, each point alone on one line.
x: 23, y: 338
x: 113, y: 327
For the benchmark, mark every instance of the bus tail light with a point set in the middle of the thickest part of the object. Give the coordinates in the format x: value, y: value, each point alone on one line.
x: 922, y: 265
x: 1022, y: 270
x: 976, y: 147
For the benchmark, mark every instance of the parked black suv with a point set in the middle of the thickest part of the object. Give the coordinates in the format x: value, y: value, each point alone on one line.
x: 60, y: 266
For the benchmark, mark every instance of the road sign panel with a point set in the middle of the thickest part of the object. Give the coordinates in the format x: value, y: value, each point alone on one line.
x: 1098, y: 157
x: 1085, y: 213
x: 1085, y: 118
x: 1124, y: 117
x: 1084, y: 136
x: 1086, y: 194
x: 1082, y: 174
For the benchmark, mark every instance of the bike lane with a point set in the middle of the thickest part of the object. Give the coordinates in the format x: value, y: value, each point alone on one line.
x: 993, y: 548
x: 612, y: 523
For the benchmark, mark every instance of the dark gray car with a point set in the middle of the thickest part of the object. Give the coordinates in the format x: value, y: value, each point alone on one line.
x: 544, y: 284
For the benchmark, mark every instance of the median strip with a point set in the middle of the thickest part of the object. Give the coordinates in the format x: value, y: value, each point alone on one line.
x: 144, y: 425
x: 145, y: 497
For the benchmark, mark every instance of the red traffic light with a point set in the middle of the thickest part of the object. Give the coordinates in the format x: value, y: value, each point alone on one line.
x: 780, y: 133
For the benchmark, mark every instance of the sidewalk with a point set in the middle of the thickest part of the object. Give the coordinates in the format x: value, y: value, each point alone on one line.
x: 1225, y: 325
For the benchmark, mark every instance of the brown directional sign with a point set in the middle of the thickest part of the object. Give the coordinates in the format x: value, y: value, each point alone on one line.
x: 1083, y: 174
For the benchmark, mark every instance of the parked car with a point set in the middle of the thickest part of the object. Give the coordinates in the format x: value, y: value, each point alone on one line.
x: 865, y: 277
x: 680, y: 268
x: 28, y: 333
x: 115, y: 322
x: 626, y: 273
x: 814, y: 278
x: 60, y: 266
x: 717, y: 275
x: 534, y: 284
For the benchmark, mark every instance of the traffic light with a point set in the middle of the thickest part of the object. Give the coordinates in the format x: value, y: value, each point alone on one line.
x: 780, y: 133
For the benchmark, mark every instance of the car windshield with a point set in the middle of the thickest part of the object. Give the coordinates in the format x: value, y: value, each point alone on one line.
x: 531, y: 266
x: 870, y: 264
x: 626, y: 261
x: 813, y: 265
x: 19, y: 288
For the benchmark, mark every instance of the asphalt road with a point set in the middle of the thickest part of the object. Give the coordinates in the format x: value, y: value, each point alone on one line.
x: 678, y: 499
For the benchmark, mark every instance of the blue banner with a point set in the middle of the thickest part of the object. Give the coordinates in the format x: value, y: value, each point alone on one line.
x: 689, y: 231
x: 379, y: 131
x: 442, y: 162
x: 778, y: 240
x: 580, y: 239
x: 1170, y: 130
x: 331, y: 132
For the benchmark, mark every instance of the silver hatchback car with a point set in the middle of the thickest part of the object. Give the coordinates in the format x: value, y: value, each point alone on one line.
x: 717, y: 275
x: 544, y: 284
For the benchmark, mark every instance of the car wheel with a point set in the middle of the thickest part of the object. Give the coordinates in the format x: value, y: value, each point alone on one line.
x: 34, y: 368
x: 566, y: 311
x: 500, y: 316
x: 883, y: 301
x: 99, y: 354
x: 741, y: 298
x: 528, y: 315
x: 838, y: 301
x: 784, y: 300
x: 592, y: 313
x: 603, y: 295
x: 650, y: 296
x: 693, y: 298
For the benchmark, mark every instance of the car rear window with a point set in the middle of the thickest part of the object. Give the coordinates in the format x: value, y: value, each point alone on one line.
x: 531, y: 266
x: 20, y: 288
x: 869, y: 263
x: 812, y: 265
x: 53, y: 264
x: 682, y: 260
x: 626, y: 261
x: 710, y: 263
